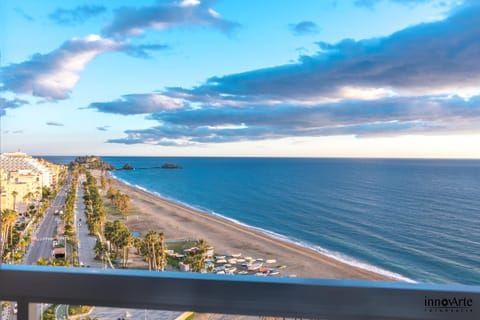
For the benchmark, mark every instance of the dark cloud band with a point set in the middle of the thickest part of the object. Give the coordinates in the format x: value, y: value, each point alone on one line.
x: 304, y: 28
x: 138, y: 104
x: 391, y: 116
x: 430, y: 58
x: 130, y: 21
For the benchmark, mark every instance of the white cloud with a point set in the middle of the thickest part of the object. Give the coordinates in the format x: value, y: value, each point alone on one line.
x: 133, y: 21
x: 364, y: 93
x: 186, y: 3
x: 55, y: 74
x: 138, y: 104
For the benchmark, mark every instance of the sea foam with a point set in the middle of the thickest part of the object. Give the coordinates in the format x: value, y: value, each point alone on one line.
x: 329, y: 253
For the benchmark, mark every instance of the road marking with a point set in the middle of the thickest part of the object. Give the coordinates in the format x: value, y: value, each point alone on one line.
x: 45, y: 239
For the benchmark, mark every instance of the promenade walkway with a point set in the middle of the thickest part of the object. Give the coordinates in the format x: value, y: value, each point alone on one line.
x: 86, y: 254
x: 86, y: 244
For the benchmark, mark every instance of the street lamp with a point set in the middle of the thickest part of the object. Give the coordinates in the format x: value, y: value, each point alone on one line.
x: 65, y: 240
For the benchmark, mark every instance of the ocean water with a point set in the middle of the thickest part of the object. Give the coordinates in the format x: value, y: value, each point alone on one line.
x: 415, y: 220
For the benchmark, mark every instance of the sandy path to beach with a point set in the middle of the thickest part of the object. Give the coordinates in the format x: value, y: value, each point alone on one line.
x: 181, y: 223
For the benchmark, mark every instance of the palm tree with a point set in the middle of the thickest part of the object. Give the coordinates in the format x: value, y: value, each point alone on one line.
x: 99, y: 249
x: 37, y: 193
x: 111, y: 193
x: 162, y: 252
x: 149, y: 249
x: 28, y: 197
x: 8, y: 218
x: 103, y: 182
x: 196, y: 258
x: 154, y: 250
x: 43, y: 262
x: 109, y: 233
x: 201, y: 253
x: 14, y: 195
x: 138, y: 244
x: 119, y: 235
x: 13, y: 218
x: 125, y: 242
x: 3, y: 232
x: 121, y: 201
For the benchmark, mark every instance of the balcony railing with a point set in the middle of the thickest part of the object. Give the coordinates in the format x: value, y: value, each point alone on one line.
x: 246, y: 295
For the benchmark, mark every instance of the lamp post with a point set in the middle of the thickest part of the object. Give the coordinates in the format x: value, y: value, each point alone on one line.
x: 65, y: 239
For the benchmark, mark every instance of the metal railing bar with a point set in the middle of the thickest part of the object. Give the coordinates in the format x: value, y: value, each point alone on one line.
x: 22, y: 309
x: 247, y: 295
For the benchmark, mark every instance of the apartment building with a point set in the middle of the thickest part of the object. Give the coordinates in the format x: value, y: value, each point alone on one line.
x: 22, y: 178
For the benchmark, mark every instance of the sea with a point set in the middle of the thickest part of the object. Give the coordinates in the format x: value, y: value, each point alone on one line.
x: 416, y: 220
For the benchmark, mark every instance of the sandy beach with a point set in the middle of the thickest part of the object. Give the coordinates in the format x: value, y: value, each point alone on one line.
x: 182, y: 223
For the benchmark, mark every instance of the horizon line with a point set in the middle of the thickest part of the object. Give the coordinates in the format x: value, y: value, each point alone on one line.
x: 262, y: 156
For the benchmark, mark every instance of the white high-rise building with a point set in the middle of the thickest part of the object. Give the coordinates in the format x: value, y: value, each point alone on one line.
x: 22, y: 180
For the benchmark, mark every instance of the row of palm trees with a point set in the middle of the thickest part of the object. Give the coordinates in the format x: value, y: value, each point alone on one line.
x: 15, y: 240
x: 69, y: 207
x: 119, y: 200
x: 196, y: 258
x: 8, y: 218
x: 94, y: 209
x: 152, y: 247
x: 68, y: 219
x: 120, y: 239
x: 117, y: 233
x: 28, y: 197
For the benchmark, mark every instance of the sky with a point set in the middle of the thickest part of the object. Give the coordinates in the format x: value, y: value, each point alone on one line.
x: 290, y: 78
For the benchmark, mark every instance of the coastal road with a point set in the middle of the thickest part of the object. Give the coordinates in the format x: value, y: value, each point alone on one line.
x: 41, y: 245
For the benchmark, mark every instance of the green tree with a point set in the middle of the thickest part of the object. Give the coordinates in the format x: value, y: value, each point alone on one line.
x: 196, y: 258
x: 14, y: 195
x: 138, y: 244
x: 94, y: 209
x: 122, y: 202
x: 46, y: 193
x: 103, y: 182
x: 43, y: 262
x: 100, y: 248
x: 111, y: 193
x: 125, y: 242
x: 162, y: 251
x: 154, y: 250
x: 28, y: 197
x: 120, y: 238
x: 8, y: 218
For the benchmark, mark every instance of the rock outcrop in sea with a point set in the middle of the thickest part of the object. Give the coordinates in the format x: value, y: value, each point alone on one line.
x: 127, y: 166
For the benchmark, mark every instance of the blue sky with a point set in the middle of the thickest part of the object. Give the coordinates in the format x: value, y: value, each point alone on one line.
x: 359, y: 78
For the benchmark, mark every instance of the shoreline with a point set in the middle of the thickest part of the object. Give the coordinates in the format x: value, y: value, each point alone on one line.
x: 182, y: 222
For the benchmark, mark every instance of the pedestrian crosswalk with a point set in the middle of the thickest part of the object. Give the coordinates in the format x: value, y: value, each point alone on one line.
x: 42, y: 239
